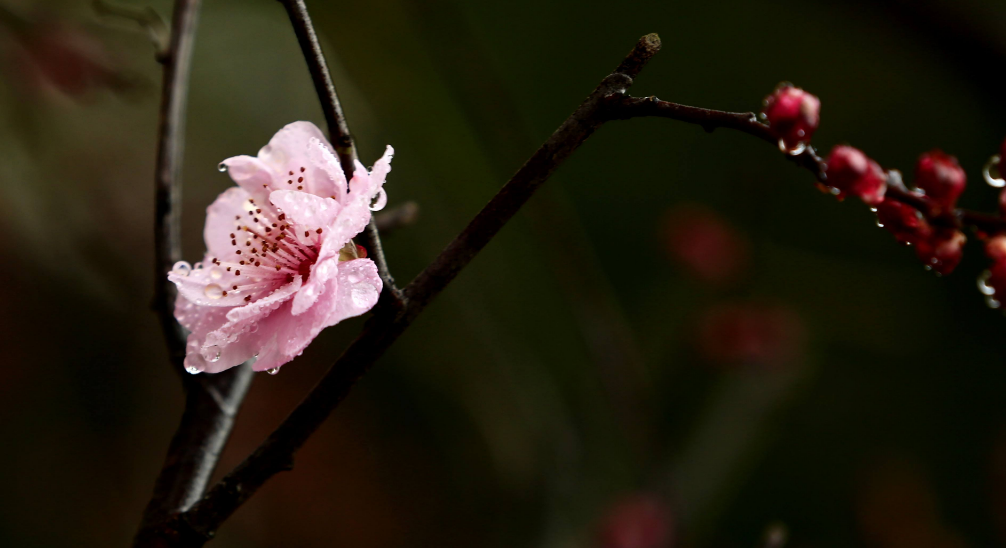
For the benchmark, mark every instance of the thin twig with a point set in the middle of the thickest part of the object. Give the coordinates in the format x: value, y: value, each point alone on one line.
x: 211, y: 401
x: 621, y: 107
x: 146, y: 17
x: 276, y: 453
x: 338, y: 129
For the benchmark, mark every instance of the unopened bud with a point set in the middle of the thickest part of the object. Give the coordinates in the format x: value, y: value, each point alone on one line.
x: 852, y: 172
x: 941, y: 177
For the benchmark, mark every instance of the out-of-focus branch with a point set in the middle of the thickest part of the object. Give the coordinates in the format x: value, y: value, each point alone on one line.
x: 276, y: 454
x: 146, y: 17
x: 211, y: 401
x: 623, y: 107
x: 398, y: 217
x: 338, y: 129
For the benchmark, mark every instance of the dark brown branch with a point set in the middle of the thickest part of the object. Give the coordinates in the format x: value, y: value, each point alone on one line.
x: 621, y: 107
x: 397, y: 217
x: 211, y: 401
x: 276, y: 453
x: 338, y: 129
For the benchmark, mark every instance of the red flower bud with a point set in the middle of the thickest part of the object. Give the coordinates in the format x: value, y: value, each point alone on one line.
x: 995, y: 248
x: 640, y: 520
x: 941, y: 177
x: 706, y: 245
x: 750, y: 334
x: 850, y: 171
x: 942, y: 250
x: 793, y: 115
x: 902, y: 220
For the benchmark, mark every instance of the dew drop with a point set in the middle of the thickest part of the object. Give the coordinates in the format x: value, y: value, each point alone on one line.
x: 216, y: 273
x: 181, y: 268
x: 192, y: 370
x: 221, y: 167
x: 353, y: 278
x: 197, y: 266
x: 380, y: 200
x: 983, y: 285
x: 792, y: 151
x: 215, y: 353
x: 991, y: 302
x: 213, y: 291
x: 273, y: 371
x: 992, y: 174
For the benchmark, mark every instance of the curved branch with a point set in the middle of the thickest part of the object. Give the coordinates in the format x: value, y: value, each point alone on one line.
x: 338, y: 129
x: 622, y: 107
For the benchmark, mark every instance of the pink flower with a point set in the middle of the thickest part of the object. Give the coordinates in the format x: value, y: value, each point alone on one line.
x: 280, y: 263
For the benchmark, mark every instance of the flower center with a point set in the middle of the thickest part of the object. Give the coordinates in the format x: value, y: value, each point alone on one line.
x: 268, y: 252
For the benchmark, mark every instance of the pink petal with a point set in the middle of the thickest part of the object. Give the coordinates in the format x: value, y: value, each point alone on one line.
x: 221, y: 222
x: 305, y: 209
x: 241, y: 320
x: 323, y: 158
x: 317, y: 282
x: 290, y: 150
x: 251, y: 174
x: 359, y: 287
x: 205, y: 287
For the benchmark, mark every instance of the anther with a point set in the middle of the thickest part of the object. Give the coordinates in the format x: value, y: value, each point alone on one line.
x: 247, y: 298
x: 237, y: 272
x: 318, y: 231
x: 302, y: 170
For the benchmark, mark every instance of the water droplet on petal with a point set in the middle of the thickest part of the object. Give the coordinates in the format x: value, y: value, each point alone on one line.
x: 222, y: 167
x: 380, y: 200
x: 992, y: 174
x: 273, y: 371
x: 214, y: 353
x: 181, y: 268
x: 213, y: 291
x: 353, y: 278
x: 197, y: 266
x: 216, y: 273
x: 192, y: 370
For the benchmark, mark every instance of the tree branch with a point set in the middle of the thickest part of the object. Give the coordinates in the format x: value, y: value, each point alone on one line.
x: 211, y: 401
x: 623, y: 107
x: 276, y: 452
x: 338, y: 130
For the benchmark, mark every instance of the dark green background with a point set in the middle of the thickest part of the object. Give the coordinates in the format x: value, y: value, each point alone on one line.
x: 491, y: 422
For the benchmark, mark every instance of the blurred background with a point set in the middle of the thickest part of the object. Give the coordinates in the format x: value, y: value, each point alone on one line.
x: 679, y: 342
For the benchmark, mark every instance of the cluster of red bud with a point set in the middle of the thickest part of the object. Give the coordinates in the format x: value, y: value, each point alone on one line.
x: 793, y: 115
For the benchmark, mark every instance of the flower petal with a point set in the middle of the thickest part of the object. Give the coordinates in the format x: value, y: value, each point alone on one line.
x: 305, y: 209
x: 252, y: 174
x: 316, y: 285
x: 359, y: 287
x: 240, y: 321
x: 222, y: 221
x: 289, y: 155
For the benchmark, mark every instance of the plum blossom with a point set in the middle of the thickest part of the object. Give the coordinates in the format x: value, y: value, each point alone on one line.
x: 280, y: 264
